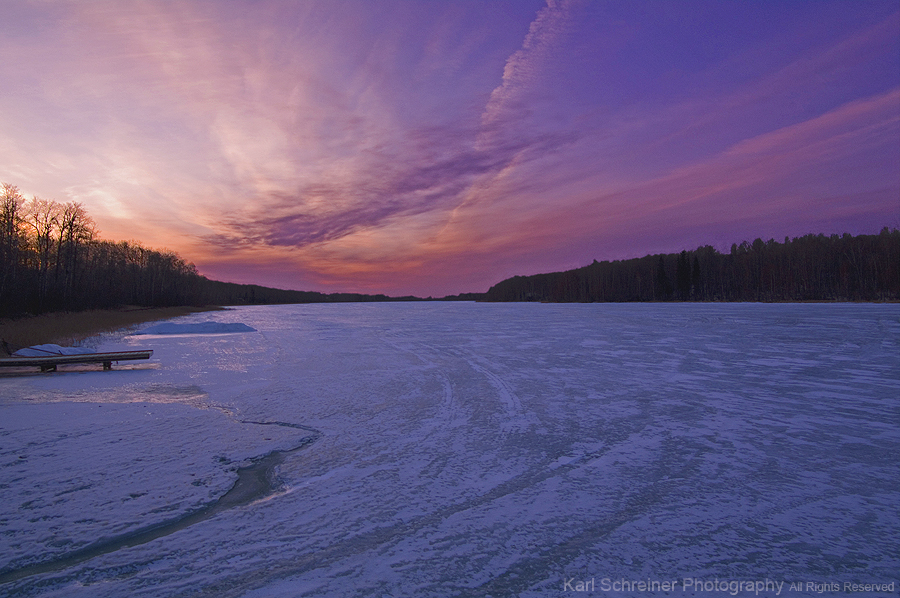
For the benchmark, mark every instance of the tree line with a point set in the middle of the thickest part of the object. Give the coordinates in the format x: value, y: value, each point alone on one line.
x: 808, y: 268
x: 51, y: 259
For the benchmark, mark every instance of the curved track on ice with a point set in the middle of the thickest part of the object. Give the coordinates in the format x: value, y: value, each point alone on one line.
x: 254, y: 482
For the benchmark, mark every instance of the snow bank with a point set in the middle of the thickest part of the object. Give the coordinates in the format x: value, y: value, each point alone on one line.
x: 200, y: 328
x: 50, y: 349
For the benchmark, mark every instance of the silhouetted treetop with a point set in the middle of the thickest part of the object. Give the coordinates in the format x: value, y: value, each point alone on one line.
x: 808, y: 268
x: 51, y: 260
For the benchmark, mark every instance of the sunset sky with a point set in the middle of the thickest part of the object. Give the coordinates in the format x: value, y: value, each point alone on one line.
x: 437, y: 147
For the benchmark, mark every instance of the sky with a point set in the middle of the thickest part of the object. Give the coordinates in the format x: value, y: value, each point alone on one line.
x: 434, y: 148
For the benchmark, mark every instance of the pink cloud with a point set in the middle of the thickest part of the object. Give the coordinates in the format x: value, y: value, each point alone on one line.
x: 363, y: 147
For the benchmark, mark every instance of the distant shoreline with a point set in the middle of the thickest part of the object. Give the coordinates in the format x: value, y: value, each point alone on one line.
x: 72, y: 328
x: 809, y: 268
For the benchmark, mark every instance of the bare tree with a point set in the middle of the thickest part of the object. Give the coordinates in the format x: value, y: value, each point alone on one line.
x: 42, y: 221
x: 74, y: 229
x: 11, y: 217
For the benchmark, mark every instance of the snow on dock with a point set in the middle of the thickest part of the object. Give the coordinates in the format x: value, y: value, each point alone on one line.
x: 49, y: 356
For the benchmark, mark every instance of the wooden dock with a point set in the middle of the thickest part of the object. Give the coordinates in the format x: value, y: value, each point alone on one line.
x: 48, y: 363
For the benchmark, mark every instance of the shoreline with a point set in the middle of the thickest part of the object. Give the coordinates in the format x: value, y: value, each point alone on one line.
x: 73, y: 328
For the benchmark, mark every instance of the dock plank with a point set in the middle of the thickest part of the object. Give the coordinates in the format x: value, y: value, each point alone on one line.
x: 48, y: 363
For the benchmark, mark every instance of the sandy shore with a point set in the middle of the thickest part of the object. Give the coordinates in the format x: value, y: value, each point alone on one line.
x: 72, y: 328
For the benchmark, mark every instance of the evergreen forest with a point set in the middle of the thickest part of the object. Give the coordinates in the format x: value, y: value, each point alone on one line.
x: 808, y: 268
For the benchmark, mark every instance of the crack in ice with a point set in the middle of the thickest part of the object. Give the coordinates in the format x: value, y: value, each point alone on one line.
x: 255, y: 482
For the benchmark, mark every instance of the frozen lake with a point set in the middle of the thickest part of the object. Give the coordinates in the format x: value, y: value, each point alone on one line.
x: 463, y: 449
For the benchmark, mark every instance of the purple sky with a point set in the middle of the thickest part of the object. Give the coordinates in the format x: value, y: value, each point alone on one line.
x: 432, y: 148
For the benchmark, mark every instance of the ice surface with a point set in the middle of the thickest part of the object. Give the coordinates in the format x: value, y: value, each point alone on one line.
x: 144, y: 463
x: 51, y: 349
x: 197, y: 328
x: 469, y: 450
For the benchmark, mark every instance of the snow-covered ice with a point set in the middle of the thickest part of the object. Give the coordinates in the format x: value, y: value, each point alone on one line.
x: 466, y: 449
x: 208, y: 327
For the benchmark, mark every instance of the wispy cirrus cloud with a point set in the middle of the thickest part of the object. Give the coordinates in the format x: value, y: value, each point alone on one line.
x: 413, y: 171
x: 522, y: 71
x: 821, y: 170
x: 355, y: 145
